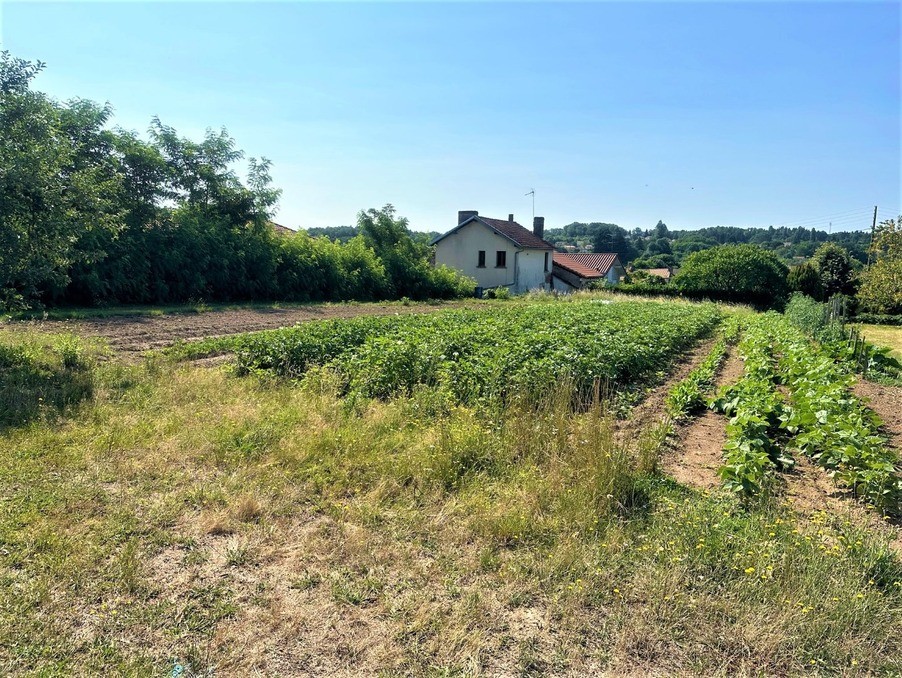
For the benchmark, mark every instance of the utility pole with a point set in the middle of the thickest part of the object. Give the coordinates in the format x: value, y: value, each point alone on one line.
x: 873, y: 228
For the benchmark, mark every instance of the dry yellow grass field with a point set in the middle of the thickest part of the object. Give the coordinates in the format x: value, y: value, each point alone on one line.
x: 884, y: 335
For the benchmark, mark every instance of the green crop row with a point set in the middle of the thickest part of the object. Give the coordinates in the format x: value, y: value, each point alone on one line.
x: 755, y: 408
x: 819, y: 417
x: 487, y: 353
x: 690, y: 394
x: 832, y: 426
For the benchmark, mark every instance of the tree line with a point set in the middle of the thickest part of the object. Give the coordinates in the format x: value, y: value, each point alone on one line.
x: 748, y: 273
x: 659, y: 247
x: 91, y: 215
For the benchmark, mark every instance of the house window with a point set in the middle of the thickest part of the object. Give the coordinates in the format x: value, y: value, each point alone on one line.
x: 546, y: 262
x: 481, y: 263
x: 500, y: 259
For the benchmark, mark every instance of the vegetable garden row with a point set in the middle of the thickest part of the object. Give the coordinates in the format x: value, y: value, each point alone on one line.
x: 491, y: 353
x: 795, y: 397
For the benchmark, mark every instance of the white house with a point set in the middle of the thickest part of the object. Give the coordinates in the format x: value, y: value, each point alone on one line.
x: 576, y: 271
x: 497, y: 253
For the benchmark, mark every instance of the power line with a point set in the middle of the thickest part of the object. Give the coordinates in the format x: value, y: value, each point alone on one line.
x: 850, y: 214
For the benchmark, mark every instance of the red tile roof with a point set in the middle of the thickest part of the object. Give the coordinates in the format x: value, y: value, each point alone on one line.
x: 521, y: 235
x: 589, y: 265
x: 574, y: 266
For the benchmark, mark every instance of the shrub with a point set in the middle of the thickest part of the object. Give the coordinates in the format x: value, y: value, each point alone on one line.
x: 738, y: 273
x: 805, y: 279
x: 878, y: 319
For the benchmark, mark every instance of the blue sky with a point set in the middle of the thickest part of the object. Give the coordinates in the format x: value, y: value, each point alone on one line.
x: 744, y: 114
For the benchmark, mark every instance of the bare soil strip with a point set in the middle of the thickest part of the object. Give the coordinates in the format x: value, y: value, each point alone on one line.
x: 697, y: 450
x: 886, y: 401
x: 129, y: 335
x: 649, y: 411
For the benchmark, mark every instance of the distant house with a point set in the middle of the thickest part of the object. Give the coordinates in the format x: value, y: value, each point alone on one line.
x: 665, y: 273
x: 497, y: 252
x: 576, y: 271
x: 281, y: 230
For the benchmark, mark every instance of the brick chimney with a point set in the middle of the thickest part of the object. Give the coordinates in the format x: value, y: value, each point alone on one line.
x: 510, y: 218
x: 463, y: 215
x: 538, y: 226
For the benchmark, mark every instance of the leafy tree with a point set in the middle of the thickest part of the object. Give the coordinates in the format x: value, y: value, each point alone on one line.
x: 612, y: 238
x: 742, y: 273
x: 806, y: 279
x: 657, y: 246
x: 406, y: 261
x: 656, y: 261
x: 832, y: 263
x: 661, y: 230
x: 881, y: 283
x: 57, y: 186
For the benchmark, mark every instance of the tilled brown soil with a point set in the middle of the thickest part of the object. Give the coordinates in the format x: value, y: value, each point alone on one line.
x: 809, y: 490
x: 653, y: 404
x: 886, y: 401
x: 697, y: 452
x: 131, y: 335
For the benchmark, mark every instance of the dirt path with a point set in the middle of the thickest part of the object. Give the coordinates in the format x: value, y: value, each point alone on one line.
x: 130, y: 335
x: 886, y: 401
x: 649, y: 411
x: 697, y: 453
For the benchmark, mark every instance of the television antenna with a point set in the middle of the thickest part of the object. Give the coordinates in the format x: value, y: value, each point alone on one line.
x: 532, y: 192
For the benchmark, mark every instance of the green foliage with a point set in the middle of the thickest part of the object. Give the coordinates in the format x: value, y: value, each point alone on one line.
x: 834, y: 268
x: 501, y: 293
x: 806, y: 280
x: 831, y: 425
x: 612, y: 238
x: 486, y: 354
x: 739, y: 273
x: 689, y: 394
x: 407, y: 261
x: 881, y: 283
x: 755, y: 408
x: 58, y: 186
x: 878, y: 319
x: 813, y: 318
x: 655, y: 261
x: 644, y: 278
x: 93, y: 216
x: 821, y: 416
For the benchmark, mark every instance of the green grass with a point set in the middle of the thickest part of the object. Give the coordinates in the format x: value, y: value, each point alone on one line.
x: 180, y: 514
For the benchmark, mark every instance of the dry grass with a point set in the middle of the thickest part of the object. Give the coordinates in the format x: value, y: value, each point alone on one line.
x: 884, y: 335
x: 243, y: 525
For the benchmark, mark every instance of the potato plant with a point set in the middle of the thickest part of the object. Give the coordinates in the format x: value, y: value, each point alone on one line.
x: 489, y: 353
